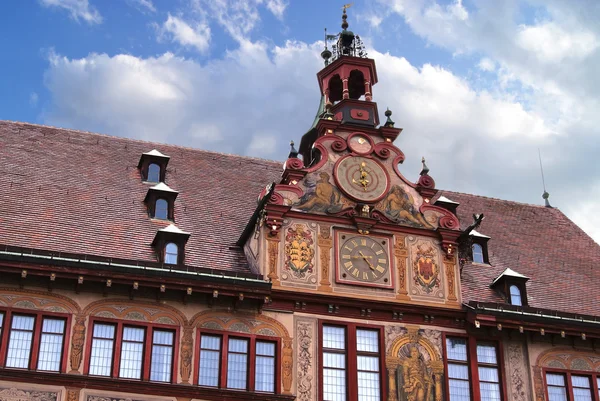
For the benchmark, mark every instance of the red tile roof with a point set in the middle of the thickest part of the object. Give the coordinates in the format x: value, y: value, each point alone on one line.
x: 78, y: 192
x: 561, y: 261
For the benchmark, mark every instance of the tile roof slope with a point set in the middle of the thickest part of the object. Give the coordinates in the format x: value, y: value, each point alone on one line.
x: 78, y: 192
x: 562, y: 262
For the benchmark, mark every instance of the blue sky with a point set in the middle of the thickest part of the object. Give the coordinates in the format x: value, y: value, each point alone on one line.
x: 478, y: 87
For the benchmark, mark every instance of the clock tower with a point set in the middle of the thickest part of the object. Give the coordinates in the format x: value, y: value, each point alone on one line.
x: 344, y: 221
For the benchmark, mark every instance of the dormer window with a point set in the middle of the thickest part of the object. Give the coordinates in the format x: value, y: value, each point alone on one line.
x: 161, y: 209
x: 153, y: 173
x: 160, y: 201
x: 153, y: 166
x: 515, y: 296
x: 477, y: 250
x: 171, y: 253
x: 169, y: 244
x: 512, y: 287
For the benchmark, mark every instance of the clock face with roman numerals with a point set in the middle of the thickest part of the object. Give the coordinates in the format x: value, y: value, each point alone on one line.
x: 363, y: 260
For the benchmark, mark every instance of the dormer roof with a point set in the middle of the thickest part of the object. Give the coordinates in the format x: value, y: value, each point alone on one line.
x: 509, y: 273
x: 443, y: 199
x: 477, y: 234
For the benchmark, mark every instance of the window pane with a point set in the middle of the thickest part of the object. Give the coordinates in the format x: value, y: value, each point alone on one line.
x: 331, y: 360
x: 334, y: 384
x: 368, y: 386
x: 1, y: 323
x: 477, y: 253
x: 19, y: 343
x: 334, y: 337
x: 456, y: 349
x: 237, y: 363
x: 456, y: 371
x: 171, y: 252
x: 515, y: 295
x: 161, y: 209
x: 488, y: 374
x: 486, y: 354
x: 153, y: 172
x: 459, y: 390
x: 557, y: 390
x: 489, y: 391
x: 367, y: 340
x: 51, y: 344
x: 264, y: 377
x: 210, y: 359
x: 581, y: 388
x: 598, y: 385
x: 162, y: 355
x: 132, y: 349
x: 102, y: 349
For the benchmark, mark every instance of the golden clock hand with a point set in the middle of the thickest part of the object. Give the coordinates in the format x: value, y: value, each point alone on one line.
x: 367, y: 260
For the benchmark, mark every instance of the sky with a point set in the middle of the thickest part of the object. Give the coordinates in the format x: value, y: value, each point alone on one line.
x: 480, y: 87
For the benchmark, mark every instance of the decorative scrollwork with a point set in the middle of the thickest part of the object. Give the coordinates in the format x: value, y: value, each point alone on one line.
x: 449, y: 222
x: 276, y: 199
x: 348, y: 212
x: 426, y: 181
x: 339, y: 145
x: 294, y: 164
x: 382, y: 150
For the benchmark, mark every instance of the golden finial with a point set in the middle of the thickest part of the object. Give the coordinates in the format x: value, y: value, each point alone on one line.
x: 346, y: 6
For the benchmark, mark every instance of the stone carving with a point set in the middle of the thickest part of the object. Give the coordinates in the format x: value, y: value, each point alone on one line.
x: 391, y: 334
x: 14, y: 394
x: 304, y: 334
x: 516, y: 365
x: 77, y: 343
x: 187, y: 353
x: 273, y: 251
x: 415, y: 368
x: 73, y: 394
x: 450, y: 268
x: 325, y: 244
x: 287, y: 365
x: 401, y: 253
x: 538, y: 383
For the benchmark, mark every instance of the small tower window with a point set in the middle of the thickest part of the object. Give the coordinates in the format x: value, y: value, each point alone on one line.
x: 515, y: 296
x: 171, y: 253
x: 153, y: 173
x: 477, y: 253
x: 161, y: 209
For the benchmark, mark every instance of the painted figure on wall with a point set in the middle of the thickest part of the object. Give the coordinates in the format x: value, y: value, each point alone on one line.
x: 320, y: 196
x: 399, y: 206
x: 415, y: 381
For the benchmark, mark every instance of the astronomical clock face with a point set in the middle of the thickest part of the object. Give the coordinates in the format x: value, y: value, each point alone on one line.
x: 361, y: 178
x: 363, y: 260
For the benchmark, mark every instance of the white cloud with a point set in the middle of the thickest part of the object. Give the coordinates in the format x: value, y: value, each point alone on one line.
x: 77, y: 9
x: 144, y: 5
x: 177, y: 30
x: 552, y: 43
x: 486, y: 64
x: 33, y: 99
x: 277, y: 7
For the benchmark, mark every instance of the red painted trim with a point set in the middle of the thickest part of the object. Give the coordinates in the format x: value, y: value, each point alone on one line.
x: 592, y: 376
x: 341, y: 280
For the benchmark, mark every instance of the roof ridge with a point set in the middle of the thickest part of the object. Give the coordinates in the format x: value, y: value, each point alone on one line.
x: 498, y: 199
x: 142, y: 141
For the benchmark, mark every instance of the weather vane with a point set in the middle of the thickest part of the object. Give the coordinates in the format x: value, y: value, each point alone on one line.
x: 346, y: 6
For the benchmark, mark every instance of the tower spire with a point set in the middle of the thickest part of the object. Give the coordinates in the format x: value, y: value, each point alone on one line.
x: 545, y: 195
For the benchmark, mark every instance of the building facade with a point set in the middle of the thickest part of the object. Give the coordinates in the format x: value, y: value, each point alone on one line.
x: 141, y: 271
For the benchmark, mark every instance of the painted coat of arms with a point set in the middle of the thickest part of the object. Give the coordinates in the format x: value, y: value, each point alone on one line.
x: 299, y: 251
x: 426, y: 271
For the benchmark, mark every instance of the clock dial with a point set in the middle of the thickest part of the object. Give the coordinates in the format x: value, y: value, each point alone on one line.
x: 361, y: 178
x: 360, y: 143
x: 364, y: 259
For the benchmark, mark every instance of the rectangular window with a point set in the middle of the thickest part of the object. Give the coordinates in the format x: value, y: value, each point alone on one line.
x: 334, y: 363
x: 582, y: 390
x: 210, y: 360
x: 237, y: 363
x: 264, y: 373
x: 458, y: 369
x: 51, y: 344
x: 132, y: 353
x: 367, y: 354
x: 162, y: 355
x: 103, y: 343
x: 557, y: 387
x: 487, y: 366
x: 20, y: 341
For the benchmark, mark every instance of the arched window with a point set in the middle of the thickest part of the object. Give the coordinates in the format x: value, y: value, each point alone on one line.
x: 515, y: 296
x: 171, y: 253
x: 477, y: 253
x: 153, y: 173
x: 161, y: 209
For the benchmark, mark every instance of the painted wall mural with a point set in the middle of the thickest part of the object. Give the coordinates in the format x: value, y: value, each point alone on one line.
x: 399, y: 206
x: 299, y: 250
x: 427, y: 279
x: 321, y: 196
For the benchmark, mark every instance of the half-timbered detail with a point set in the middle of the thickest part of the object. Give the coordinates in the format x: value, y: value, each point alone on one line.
x: 346, y: 276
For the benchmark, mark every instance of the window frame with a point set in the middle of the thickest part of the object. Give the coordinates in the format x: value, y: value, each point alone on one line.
x: 223, y: 353
x: 351, y: 353
x: 593, y: 376
x: 146, y: 352
x: 473, y: 364
x: 36, y: 338
x: 483, y: 243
